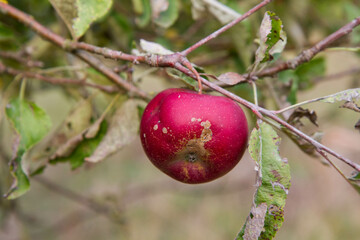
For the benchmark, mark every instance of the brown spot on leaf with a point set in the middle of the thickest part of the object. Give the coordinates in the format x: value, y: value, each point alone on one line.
x: 276, y: 175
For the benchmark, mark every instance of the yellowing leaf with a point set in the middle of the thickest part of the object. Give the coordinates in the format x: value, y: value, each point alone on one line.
x: 164, y: 12
x: 153, y: 48
x: 347, y: 95
x: 88, y: 12
x: 272, y: 37
x: 142, y: 9
x: 123, y: 129
x: 78, y: 15
x: 32, y: 124
x: 231, y: 78
x: 222, y: 12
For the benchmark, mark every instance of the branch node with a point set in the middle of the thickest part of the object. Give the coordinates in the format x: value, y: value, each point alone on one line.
x: 68, y: 45
x: 152, y: 60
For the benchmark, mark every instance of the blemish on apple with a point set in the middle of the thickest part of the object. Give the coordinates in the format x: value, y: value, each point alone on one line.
x: 164, y: 130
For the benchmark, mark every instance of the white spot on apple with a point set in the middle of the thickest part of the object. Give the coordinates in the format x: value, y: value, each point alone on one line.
x: 164, y: 130
x: 156, y: 127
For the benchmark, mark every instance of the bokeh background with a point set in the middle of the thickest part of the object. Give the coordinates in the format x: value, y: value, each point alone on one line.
x: 145, y: 203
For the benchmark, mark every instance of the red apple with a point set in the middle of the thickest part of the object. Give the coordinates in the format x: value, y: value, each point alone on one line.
x: 193, y: 138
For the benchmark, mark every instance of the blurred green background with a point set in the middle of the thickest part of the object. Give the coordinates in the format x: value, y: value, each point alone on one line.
x: 148, y: 204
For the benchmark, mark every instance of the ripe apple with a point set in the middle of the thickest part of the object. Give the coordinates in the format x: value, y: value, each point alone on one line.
x: 193, y: 138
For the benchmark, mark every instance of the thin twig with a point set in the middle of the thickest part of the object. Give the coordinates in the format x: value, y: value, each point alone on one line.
x: 225, y: 28
x: 11, y: 71
x: 296, y: 105
x: 63, y: 225
x: 19, y: 57
x: 63, y: 69
x: 338, y: 75
x: 322, y: 153
x: 345, y: 49
x: 105, y: 52
x: 84, y: 201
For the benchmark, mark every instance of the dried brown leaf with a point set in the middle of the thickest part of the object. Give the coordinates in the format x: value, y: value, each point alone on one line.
x: 123, y: 129
x: 299, y: 113
x: 66, y: 149
x: 231, y: 78
x: 351, y: 105
x: 255, y: 224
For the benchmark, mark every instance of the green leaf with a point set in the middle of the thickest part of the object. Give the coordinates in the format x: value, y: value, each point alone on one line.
x: 273, y: 181
x: 310, y: 70
x: 32, y: 124
x: 272, y: 38
x: 355, y: 181
x: 141, y: 111
x: 30, y: 121
x: 287, y: 76
x: 67, y: 10
x: 21, y: 182
x: 123, y: 129
x: 292, y: 96
x: 78, y: 15
x: 82, y: 145
x: 165, y: 12
x: 85, y: 147
x: 5, y: 32
x: 142, y: 9
x: 301, y: 77
x: 88, y: 12
x: 78, y: 120
x: 154, y: 48
x: 290, y: 77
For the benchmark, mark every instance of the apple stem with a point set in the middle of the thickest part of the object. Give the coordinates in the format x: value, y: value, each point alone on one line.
x: 200, y: 86
x: 253, y: 84
x: 188, y: 64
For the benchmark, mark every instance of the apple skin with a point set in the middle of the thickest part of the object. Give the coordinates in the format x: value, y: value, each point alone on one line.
x: 193, y: 138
